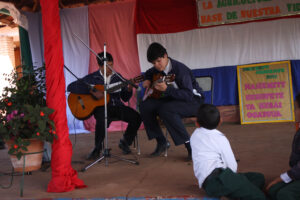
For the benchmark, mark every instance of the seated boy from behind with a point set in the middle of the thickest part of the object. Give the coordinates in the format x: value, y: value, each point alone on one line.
x: 214, y: 163
x: 287, y: 185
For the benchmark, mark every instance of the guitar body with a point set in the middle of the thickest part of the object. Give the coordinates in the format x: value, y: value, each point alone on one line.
x: 156, y: 94
x: 156, y: 78
x: 83, y: 105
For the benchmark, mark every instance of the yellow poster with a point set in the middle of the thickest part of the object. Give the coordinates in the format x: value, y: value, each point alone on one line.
x: 265, y: 92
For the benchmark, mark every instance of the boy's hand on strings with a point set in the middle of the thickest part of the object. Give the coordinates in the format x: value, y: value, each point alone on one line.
x: 146, y: 84
x: 97, y: 94
x: 161, y: 86
x: 129, y: 88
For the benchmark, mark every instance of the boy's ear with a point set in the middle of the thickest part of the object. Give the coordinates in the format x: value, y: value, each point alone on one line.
x: 221, y: 121
x: 197, y: 124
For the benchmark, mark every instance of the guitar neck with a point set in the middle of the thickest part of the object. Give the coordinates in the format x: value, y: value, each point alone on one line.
x: 123, y: 84
x: 159, y: 80
x: 167, y: 79
x: 117, y: 87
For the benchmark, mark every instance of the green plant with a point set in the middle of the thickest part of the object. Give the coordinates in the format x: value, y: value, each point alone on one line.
x: 23, y: 111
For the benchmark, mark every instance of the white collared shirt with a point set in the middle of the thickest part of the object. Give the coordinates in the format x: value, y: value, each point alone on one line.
x: 285, y: 177
x: 168, y: 67
x: 107, y: 78
x: 210, y: 150
x: 110, y: 85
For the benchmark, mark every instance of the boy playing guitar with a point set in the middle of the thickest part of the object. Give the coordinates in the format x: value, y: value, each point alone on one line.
x: 84, y: 97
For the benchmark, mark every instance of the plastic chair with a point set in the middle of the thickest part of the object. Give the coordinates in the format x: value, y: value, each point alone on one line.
x: 207, y: 84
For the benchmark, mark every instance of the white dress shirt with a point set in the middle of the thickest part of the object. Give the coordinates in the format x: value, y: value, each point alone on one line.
x: 285, y: 177
x: 210, y: 150
x: 110, y: 85
x: 107, y: 77
x: 168, y: 67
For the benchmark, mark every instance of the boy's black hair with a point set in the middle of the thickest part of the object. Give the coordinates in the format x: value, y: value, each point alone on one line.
x: 298, y: 99
x: 100, y: 58
x: 208, y: 116
x: 155, y: 50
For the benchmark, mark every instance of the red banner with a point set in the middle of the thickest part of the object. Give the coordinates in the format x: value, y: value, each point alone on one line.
x: 64, y: 177
x: 167, y: 16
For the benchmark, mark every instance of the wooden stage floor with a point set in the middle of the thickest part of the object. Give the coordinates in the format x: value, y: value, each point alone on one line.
x: 259, y: 147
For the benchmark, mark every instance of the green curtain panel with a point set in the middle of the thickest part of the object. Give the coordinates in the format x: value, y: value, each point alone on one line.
x: 26, y: 58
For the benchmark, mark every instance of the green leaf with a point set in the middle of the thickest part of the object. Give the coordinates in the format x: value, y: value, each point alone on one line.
x: 32, y: 119
x: 42, y: 125
x: 19, y: 155
x: 52, y: 124
x: 25, y: 148
x: 26, y: 143
x: 11, y: 151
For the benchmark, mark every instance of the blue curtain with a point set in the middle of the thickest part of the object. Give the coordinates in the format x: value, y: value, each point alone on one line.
x: 225, y: 90
x: 295, y: 68
x: 226, y: 86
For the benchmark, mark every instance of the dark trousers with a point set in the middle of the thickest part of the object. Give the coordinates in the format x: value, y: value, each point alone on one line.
x: 285, y: 191
x: 115, y: 113
x: 170, y: 112
x: 243, y: 186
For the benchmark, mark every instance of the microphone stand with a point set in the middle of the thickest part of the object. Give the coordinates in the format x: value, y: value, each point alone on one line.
x: 106, y: 151
x: 87, y: 84
x: 106, y: 65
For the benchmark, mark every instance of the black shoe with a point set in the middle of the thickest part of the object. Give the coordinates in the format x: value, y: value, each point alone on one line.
x: 160, y: 148
x: 94, y: 154
x: 189, y: 150
x: 189, y: 157
x: 124, y: 146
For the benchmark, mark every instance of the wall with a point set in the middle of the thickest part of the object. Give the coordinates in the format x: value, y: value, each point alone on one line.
x: 7, y: 48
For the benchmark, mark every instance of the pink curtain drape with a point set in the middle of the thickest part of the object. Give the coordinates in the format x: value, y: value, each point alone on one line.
x: 113, y: 24
x: 64, y: 177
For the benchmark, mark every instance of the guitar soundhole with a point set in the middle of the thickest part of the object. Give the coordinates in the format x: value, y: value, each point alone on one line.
x: 81, y: 102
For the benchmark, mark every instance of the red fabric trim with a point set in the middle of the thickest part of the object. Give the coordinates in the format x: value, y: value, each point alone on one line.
x: 64, y: 177
x: 165, y: 16
x: 113, y: 24
x: 170, y: 16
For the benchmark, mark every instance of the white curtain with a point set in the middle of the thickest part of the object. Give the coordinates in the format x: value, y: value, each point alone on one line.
x: 229, y: 45
x: 76, y: 56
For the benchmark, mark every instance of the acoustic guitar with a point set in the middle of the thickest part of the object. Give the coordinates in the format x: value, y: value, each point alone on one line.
x: 83, y: 105
x: 158, y: 78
